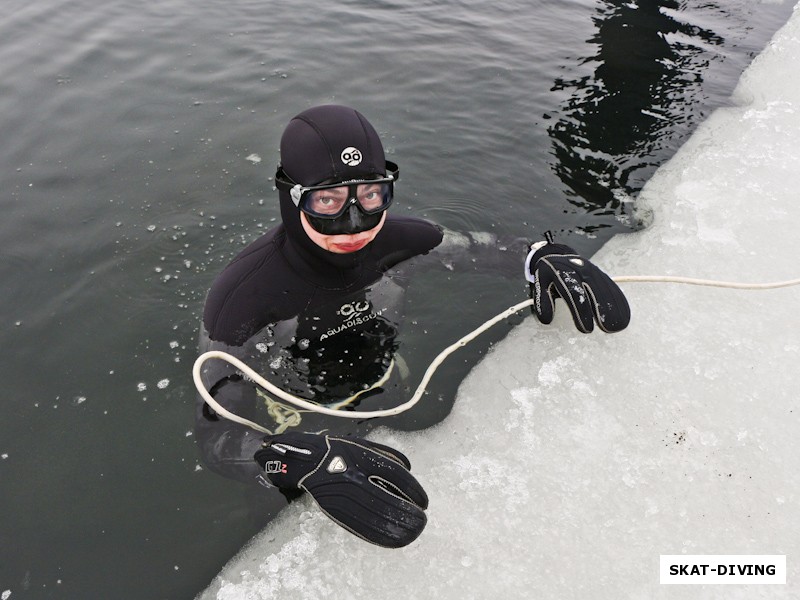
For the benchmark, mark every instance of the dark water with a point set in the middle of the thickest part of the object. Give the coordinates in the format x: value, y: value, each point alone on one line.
x: 128, y: 180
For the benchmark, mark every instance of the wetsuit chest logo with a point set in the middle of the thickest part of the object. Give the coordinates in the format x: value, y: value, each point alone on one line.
x: 354, y: 308
x: 353, y: 314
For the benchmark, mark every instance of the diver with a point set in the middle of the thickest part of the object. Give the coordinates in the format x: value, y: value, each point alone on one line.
x: 316, y: 303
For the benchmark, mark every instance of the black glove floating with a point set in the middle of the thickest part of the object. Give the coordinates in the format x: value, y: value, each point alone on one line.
x: 363, y: 486
x: 555, y: 270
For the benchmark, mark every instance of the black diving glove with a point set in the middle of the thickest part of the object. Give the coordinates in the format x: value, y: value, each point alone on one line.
x: 363, y: 486
x: 554, y: 270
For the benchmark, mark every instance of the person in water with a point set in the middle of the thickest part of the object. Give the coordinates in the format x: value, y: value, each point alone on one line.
x: 316, y: 303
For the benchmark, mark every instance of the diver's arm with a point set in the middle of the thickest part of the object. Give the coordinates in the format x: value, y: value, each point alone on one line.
x: 480, y: 251
x: 552, y: 270
x: 226, y: 447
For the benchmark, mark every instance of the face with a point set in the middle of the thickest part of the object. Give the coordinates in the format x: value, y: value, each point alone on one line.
x: 341, y: 244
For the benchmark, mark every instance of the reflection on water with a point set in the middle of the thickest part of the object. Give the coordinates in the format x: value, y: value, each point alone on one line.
x: 635, y: 98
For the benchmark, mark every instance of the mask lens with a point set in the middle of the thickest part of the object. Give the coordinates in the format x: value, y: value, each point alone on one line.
x: 332, y: 201
x: 374, y: 197
x: 328, y: 202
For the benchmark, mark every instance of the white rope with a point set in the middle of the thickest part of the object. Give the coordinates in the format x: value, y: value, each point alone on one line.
x: 371, y: 414
x: 706, y: 282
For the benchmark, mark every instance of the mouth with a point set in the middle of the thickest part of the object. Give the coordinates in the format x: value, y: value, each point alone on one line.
x: 350, y: 246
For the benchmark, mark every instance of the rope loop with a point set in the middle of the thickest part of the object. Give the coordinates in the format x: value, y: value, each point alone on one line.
x: 287, y: 416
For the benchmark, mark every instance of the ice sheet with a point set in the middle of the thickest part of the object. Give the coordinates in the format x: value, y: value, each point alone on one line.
x: 571, y: 462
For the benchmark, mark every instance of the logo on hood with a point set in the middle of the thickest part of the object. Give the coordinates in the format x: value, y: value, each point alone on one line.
x: 351, y: 156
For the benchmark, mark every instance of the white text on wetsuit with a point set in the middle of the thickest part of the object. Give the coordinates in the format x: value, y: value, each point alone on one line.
x: 355, y: 313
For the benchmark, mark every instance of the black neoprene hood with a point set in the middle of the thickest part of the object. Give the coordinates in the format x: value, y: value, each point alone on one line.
x: 331, y: 143
x: 327, y: 143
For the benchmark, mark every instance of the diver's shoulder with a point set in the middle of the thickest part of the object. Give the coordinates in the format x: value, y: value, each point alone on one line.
x: 253, y: 264
x: 419, y: 233
x: 261, y: 249
x: 238, y: 294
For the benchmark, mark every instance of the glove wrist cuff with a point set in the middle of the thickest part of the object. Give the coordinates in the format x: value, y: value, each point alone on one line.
x: 529, y: 261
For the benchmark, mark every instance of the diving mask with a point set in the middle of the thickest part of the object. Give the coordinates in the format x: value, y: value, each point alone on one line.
x: 343, y: 207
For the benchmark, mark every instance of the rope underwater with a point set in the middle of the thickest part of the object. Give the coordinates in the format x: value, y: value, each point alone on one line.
x: 310, y: 406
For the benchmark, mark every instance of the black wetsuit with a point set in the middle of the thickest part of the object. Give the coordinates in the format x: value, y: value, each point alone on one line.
x: 319, y: 325
x: 273, y: 279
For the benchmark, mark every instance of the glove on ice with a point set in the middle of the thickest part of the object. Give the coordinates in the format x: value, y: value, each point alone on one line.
x: 556, y: 270
x: 363, y: 486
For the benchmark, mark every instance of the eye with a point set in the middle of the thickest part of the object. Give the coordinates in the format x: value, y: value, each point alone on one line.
x: 370, y: 196
x: 327, y: 201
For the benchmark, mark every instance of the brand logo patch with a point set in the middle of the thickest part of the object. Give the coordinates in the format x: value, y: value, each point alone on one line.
x: 351, y: 156
x: 274, y: 466
x: 337, y: 465
x: 353, y: 314
x: 576, y: 261
x: 349, y: 309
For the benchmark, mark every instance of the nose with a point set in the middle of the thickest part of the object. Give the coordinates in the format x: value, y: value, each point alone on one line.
x: 355, y: 215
